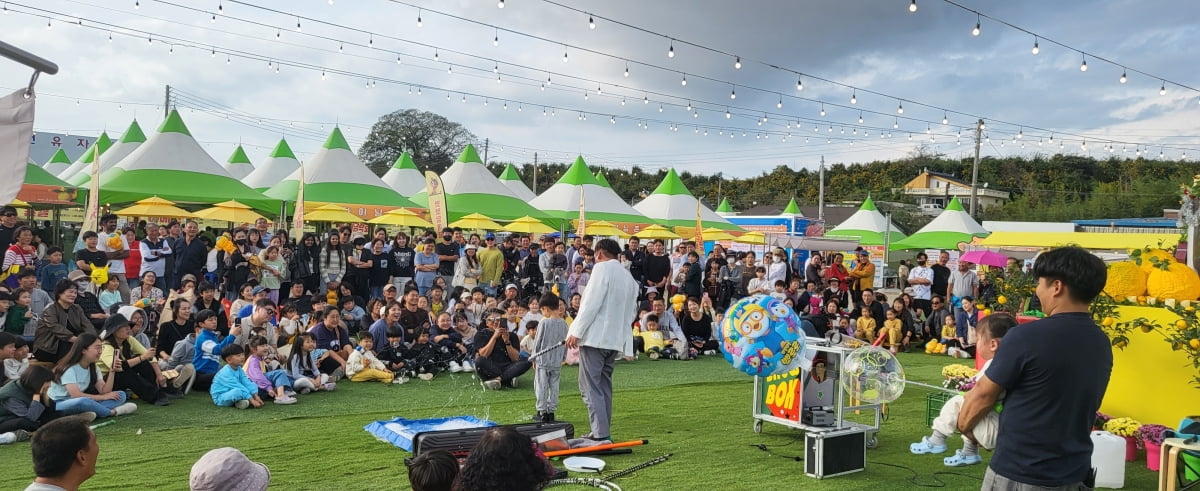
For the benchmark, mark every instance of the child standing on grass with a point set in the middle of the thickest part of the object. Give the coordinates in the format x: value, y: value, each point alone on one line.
x: 271, y: 383
x: 363, y: 366
x: 551, y: 331
x: 989, y: 331
x: 303, y: 365
x: 231, y: 386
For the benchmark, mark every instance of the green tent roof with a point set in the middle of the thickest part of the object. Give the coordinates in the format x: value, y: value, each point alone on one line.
x: 792, y: 208
x: 336, y: 140
x: 600, y: 179
x: 103, y: 142
x: 35, y: 174
x: 469, y: 155
x: 671, y: 185
x: 510, y: 173
x: 282, y: 150
x: 954, y: 205
x: 724, y: 206
x: 59, y: 157
x: 174, y: 124
x: 405, y: 161
x: 134, y: 133
x: 239, y: 156
x: 578, y: 174
x: 868, y: 205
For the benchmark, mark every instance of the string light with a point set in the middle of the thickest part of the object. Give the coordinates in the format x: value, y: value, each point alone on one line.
x: 683, y: 81
x: 671, y: 50
x: 221, y: 8
x: 900, y: 108
x: 732, y: 93
x: 1163, y: 90
x: 591, y: 22
x: 500, y: 4
x: 860, y: 118
x: 822, y: 109
x: 945, y: 118
x: 975, y: 31
x: 1083, y: 66
x: 342, y: 48
x: 799, y: 84
x: 728, y: 114
x: 564, y: 53
x: 854, y: 97
x: 737, y: 63
x: 1035, y: 49
x: 626, y: 70
x: 419, y: 23
x: 779, y: 105
x: 436, y: 55
x: 912, y: 7
x: 1123, y: 78
x: 297, y: 24
x: 371, y: 41
x: 496, y: 40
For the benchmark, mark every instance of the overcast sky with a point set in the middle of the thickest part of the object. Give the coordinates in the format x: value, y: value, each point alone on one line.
x: 928, y: 57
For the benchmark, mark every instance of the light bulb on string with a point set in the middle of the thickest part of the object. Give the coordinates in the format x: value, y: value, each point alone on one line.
x: 671, y: 50
x: 497, y: 78
x: 585, y: 95
x: 945, y: 119
x: 398, y: 61
x: 298, y: 24
x: 900, y: 108
x: 975, y: 31
x: 1163, y: 89
x: 860, y: 118
x: 496, y: 39
x: 626, y: 70
x: 500, y: 4
x: 1123, y: 78
x: 548, y: 82
x: 728, y: 114
x: 660, y: 108
x: 854, y: 97
x: 278, y: 34
x: 228, y: 60
x: 695, y: 114
x: 622, y: 101
x: 137, y: 4
x: 645, y: 99
x: 912, y: 7
x: 49, y: 26
x: 598, y: 90
x: 419, y: 23
x: 822, y: 109
x: 110, y: 37
x: 1083, y: 66
x: 371, y: 41
x: 450, y: 69
x: 737, y: 63
x: 496, y: 68
x: 1035, y: 49
x: 591, y: 22
x: 689, y: 106
x: 732, y: 93
x: 799, y: 84
x: 565, y: 54
x: 342, y: 49
x: 896, y: 124
x: 779, y: 105
x: 520, y: 107
x: 683, y: 81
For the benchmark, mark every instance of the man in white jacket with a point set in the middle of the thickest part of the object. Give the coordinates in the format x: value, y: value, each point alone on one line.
x: 602, y: 333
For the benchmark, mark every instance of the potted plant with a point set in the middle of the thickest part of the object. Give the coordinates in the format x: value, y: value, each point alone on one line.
x: 1150, y: 437
x: 1126, y: 428
x: 1101, y: 418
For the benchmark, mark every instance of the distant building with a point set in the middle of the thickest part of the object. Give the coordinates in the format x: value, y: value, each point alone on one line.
x: 934, y: 190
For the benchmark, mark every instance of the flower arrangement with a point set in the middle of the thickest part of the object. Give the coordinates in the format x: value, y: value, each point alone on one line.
x: 958, y: 377
x: 1126, y: 427
x: 1101, y: 419
x: 1152, y: 434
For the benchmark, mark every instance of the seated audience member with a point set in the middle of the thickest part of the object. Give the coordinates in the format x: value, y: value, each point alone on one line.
x: 307, y: 365
x: 504, y: 459
x: 180, y: 364
x: 19, y: 362
x: 61, y: 323
x: 25, y: 407
x: 207, y: 356
x: 363, y: 366
x: 64, y: 455
x: 392, y: 355
x: 331, y: 335
x: 271, y: 383
x: 228, y: 469
x: 435, y: 470
x: 231, y: 387
x: 138, y: 372
x: 498, y: 360
x: 79, y: 388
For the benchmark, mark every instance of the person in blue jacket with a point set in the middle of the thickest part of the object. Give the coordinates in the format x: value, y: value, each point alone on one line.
x: 231, y: 386
x: 208, y: 343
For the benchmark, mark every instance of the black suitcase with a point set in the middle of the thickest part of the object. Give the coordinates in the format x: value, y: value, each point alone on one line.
x: 460, y: 442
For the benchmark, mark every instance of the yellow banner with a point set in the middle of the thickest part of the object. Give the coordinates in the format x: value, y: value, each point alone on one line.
x: 437, y: 200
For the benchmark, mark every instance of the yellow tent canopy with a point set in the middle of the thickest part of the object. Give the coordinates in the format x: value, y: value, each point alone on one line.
x: 528, y: 225
x: 476, y: 221
x: 1086, y: 240
x: 331, y: 213
x: 402, y: 217
x: 230, y: 211
x: 154, y: 207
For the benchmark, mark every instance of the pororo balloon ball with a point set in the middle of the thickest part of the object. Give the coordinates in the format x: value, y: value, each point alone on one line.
x: 872, y: 375
x: 762, y: 336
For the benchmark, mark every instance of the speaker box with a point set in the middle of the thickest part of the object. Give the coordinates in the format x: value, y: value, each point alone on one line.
x: 834, y: 453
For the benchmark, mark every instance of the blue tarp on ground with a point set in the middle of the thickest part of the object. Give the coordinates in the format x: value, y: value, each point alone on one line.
x: 400, y: 432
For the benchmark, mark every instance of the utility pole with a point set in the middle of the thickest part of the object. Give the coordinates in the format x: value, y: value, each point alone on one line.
x: 534, y: 172
x: 485, y: 152
x: 167, y: 102
x: 975, y: 169
x: 821, y: 191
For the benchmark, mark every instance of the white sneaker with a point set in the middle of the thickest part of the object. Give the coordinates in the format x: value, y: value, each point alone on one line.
x: 285, y: 400
x: 123, y: 409
x: 952, y: 352
x: 242, y: 404
x: 400, y: 380
x: 491, y: 384
x: 455, y: 367
x: 468, y: 366
x: 7, y: 438
x: 710, y: 352
x: 425, y: 376
x: 329, y: 386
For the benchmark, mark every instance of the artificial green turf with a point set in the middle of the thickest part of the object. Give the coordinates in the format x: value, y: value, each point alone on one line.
x: 699, y: 411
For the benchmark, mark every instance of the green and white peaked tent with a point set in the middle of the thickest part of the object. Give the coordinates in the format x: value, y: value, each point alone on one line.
x: 792, y: 209
x: 404, y: 176
x: 278, y: 166
x: 868, y: 226
x: 35, y: 174
x: 471, y: 188
x: 672, y: 205
x: 724, y: 209
x: 335, y: 175
x: 600, y: 203
x: 130, y: 141
x: 238, y: 166
x: 103, y: 142
x: 173, y: 166
x: 58, y: 163
x: 952, y: 226
x: 603, y: 181
x: 512, y: 180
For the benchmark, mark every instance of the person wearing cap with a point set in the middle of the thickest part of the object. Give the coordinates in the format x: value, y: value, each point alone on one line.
x: 65, y: 452
x: 963, y: 282
x: 836, y: 293
x: 467, y: 269
x: 228, y: 469
x: 138, y: 372
x: 601, y: 332
x: 862, y: 276
x: 491, y: 260
x: 8, y: 224
x: 62, y: 322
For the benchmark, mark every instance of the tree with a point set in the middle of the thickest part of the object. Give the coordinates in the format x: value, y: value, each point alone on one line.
x: 433, y: 141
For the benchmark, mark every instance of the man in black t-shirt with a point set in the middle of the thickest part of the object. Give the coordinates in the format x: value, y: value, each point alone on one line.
x: 498, y: 361
x: 8, y: 224
x: 941, y: 275
x: 447, y: 252
x: 1050, y: 394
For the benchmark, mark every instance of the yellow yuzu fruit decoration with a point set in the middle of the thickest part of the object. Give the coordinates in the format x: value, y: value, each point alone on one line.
x: 1125, y: 279
x: 1147, y: 257
x: 1173, y: 280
